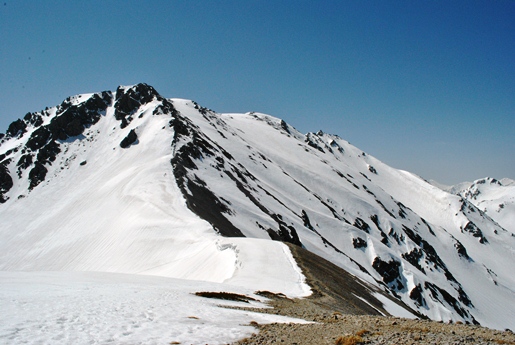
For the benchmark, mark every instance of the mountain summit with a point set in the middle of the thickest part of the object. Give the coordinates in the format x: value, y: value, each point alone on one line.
x: 132, y: 182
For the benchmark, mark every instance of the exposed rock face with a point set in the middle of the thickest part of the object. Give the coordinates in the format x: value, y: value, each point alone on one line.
x: 6, y: 182
x: 16, y: 129
x: 37, y: 175
x: 472, y: 228
x: 73, y: 118
x: 44, y: 143
x: 358, y: 242
x: 390, y: 271
x: 128, y: 100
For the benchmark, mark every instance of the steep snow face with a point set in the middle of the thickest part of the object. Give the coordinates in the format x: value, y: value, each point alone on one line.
x: 495, y: 198
x: 95, y: 191
x: 131, y: 182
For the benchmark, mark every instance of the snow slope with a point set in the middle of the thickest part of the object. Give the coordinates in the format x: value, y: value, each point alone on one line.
x: 131, y: 182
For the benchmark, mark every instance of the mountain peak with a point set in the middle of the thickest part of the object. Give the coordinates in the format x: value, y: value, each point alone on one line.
x: 131, y: 182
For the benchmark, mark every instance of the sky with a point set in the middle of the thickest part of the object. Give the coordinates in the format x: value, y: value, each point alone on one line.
x: 424, y: 86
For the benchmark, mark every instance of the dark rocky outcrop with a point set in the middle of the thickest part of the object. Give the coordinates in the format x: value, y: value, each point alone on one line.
x: 286, y: 233
x: 462, y: 251
x: 384, y: 237
x: 129, y: 100
x: 39, y: 138
x: 416, y: 294
x: 16, y: 129
x: 70, y: 121
x: 358, y: 242
x: 284, y: 126
x: 37, y: 175
x: 129, y: 140
x: 414, y: 257
x: 306, y: 221
x: 390, y: 271
x: 199, y: 198
x: 48, y: 153
x: 24, y: 162
x: 208, y: 206
x: 34, y: 119
x: 6, y: 182
x: 312, y: 142
x: 361, y: 224
x: 439, y: 294
x: 472, y: 228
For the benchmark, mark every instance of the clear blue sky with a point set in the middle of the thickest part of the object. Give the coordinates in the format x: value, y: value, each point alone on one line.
x: 425, y: 86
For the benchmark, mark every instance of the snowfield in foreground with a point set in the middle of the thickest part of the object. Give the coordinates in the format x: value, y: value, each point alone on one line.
x: 104, y: 308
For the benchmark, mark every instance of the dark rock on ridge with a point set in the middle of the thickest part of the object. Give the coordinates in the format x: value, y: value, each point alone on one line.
x: 129, y: 100
x: 70, y: 121
x: 16, y: 129
x: 208, y: 207
x: 34, y: 119
x: 199, y: 198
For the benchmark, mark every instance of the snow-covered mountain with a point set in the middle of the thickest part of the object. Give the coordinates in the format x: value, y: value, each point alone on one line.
x: 494, y: 197
x: 132, y: 182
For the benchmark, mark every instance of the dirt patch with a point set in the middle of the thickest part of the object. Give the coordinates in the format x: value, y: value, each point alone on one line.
x: 349, y: 329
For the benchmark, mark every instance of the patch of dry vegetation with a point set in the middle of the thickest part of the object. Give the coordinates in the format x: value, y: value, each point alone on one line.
x: 349, y: 340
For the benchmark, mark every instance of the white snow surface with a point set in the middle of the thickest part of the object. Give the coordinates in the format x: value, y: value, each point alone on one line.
x: 114, y: 308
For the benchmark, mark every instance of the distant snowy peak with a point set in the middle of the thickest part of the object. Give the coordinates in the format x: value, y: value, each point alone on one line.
x: 129, y: 181
x: 494, y: 197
